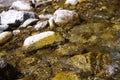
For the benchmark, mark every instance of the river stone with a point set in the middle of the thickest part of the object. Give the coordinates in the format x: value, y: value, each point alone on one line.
x: 40, y: 40
x: 29, y: 22
x: 16, y: 32
x: 5, y: 36
x: 72, y: 2
x: 15, y: 18
x: 3, y: 27
x: 86, y: 62
x: 63, y: 17
x: 21, y: 5
x: 66, y: 76
x: 6, y: 3
x: 45, y: 16
x: 41, y: 25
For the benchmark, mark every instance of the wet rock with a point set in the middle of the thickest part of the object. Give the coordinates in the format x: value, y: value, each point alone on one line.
x: 111, y: 69
x: 6, y: 3
x: 84, y: 33
x: 8, y: 71
x: 15, y: 18
x: 102, y: 16
x: 3, y: 27
x: 41, y: 2
x: 16, y: 32
x: 72, y: 2
x: 51, y: 22
x: 45, y: 16
x: 29, y: 22
x: 86, y: 62
x: 40, y: 40
x: 63, y: 17
x: 41, y: 25
x: 82, y: 0
x: 66, y: 76
x: 21, y: 5
x: 67, y: 49
x: 5, y: 36
x: 3, y: 63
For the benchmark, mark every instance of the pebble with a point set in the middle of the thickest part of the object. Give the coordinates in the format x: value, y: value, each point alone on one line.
x: 16, y: 32
x: 29, y: 22
x: 21, y: 5
x: 62, y: 17
x: 3, y: 63
x: 40, y: 40
x: 40, y: 25
x: 72, y: 2
x: 51, y: 22
x: 5, y: 36
x: 14, y: 17
x: 45, y: 16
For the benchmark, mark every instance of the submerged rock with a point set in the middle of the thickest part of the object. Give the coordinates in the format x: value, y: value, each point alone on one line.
x: 14, y: 17
x: 21, y: 5
x: 86, y: 62
x: 41, y: 40
x: 66, y: 76
x: 5, y: 36
x: 63, y: 17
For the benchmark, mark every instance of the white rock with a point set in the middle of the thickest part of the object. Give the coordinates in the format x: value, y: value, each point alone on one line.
x: 21, y: 5
x: 45, y: 16
x: 3, y: 63
x: 3, y: 27
x: 72, y: 2
x: 4, y: 36
x: 6, y: 3
x: 35, y: 38
x: 29, y: 22
x: 62, y: 17
x: 16, y: 32
x: 40, y: 25
x: 14, y: 17
x: 51, y: 22
x: 38, y: 41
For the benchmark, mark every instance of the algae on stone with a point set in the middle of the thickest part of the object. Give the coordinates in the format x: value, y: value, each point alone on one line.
x: 66, y: 76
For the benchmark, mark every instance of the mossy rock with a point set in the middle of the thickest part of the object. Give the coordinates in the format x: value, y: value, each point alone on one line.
x: 49, y: 40
x: 66, y: 76
x: 90, y: 62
